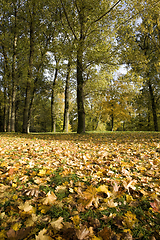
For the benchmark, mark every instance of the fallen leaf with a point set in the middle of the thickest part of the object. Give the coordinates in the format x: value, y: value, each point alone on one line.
x: 155, y: 205
x: 104, y: 188
x: 76, y: 220
x: 57, y: 224
x: 129, y: 220
x: 50, y: 199
x: 105, y: 233
x: 82, y: 233
x: 16, y: 226
x: 26, y: 207
x: 42, y: 236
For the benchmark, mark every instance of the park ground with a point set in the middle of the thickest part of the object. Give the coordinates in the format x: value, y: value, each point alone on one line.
x: 96, y: 186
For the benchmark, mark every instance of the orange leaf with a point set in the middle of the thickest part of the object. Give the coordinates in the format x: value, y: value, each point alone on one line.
x: 11, y: 171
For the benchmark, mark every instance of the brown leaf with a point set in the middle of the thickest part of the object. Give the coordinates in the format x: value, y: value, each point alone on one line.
x: 105, y: 233
x: 20, y: 234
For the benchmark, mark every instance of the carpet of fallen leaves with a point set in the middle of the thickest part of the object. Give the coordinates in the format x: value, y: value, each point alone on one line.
x: 70, y: 186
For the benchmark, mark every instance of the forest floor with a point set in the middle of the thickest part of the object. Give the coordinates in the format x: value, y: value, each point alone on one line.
x: 89, y: 186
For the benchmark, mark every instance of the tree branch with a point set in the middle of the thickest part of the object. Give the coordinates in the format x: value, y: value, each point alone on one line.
x: 98, y: 19
x: 68, y: 19
x: 107, y: 12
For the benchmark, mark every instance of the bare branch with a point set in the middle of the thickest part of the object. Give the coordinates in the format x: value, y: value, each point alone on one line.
x: 69, y: 24
x: 98, y: 19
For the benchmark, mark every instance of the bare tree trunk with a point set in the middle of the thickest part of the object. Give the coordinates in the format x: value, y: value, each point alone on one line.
x: 154, y: 108
x: 80, y: 86
x: 112, y: 121
x: 66, y: 108
x: 53, y: 108
x: 9, y: 113
x: 13, y: 112
x: 6, y: 80
x: 26, y: 108
x: 26, y: 114
x: 5, y: 110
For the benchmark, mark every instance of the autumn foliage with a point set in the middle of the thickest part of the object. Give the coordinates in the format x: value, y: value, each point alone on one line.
x: 70, y: 186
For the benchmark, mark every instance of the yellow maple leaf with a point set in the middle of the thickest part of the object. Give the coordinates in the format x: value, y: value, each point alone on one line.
x: 50, y: 199
x: 15, y: 197
x: 57, y: 224
x: 29, y: 222
x: 111, y: 203
x: 129, y: 220
x: 90, y: 197
x: 26, y: 207
x: 16, y: 226
x: 61, y: 189
x: 44, y: 208
x: 104, y: 189
x: 129, y: 198
x: 42, y: 236
x: 3, y: 235
x: 96, y: 238
x: 42, y: 172
x: 76, y: 220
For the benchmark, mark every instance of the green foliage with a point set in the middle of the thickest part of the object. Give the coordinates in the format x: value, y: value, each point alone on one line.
x: 38, y: 37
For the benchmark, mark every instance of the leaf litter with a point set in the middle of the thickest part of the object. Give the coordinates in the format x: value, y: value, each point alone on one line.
x: 70, y: 186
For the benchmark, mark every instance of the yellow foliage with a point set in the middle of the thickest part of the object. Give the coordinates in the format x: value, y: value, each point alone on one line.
x: 76, y: 220
x: 129, y: 220
x: 16, y: 226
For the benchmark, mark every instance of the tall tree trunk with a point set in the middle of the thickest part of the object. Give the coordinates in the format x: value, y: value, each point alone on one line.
x: 5, y: 82
x: 112, y: 121
x: 13, y: 114
x: 5, y: 111
x: 9, y: 113
x: 80, y: 86
x: 26, y: 108
x: 26, y: 115
x: 53, y: 108
x: 153, y: 103
x: 66, y: 108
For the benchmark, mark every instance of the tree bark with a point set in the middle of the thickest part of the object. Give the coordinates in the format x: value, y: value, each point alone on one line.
x: 5, y: 111
x: 80, y: 86
x: 66, y: 108
x: 7, y: 77
x: 53, y: 108
x: 13, y: 114
x: 26, y: 116
x: 9, y: 113
x: 154, y: 109
x: 112, y: 121
x: 26, y: 108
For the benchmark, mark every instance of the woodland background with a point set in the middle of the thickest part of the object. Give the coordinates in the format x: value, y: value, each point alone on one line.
x: 60, y: 62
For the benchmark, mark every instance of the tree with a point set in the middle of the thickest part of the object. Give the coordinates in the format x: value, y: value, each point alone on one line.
x: 141, y: 50
x: 84, y: 23
x: 40, y: 35
x: 67, y: 98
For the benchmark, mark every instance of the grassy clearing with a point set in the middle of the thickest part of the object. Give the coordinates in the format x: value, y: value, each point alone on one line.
x: 71, y: 186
